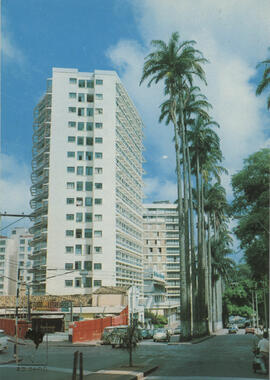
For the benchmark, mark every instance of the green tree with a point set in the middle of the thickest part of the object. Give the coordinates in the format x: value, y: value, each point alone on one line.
x: 265, y: 81
x: 250, y: 208
x: 176, y: 64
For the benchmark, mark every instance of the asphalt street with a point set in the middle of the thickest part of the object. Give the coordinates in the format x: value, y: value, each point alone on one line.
x: 221, y: 356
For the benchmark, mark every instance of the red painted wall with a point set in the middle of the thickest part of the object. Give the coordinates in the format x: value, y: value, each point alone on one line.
x: 92, y: 330
x: 8, y: 325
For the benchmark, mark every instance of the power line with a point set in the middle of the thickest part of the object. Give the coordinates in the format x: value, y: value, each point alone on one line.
x: 16, y: 221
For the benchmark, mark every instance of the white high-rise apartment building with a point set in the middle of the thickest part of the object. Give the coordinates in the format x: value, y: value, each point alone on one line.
x: 87, y: 185
x: 14, y: 254
x: 161, y: 245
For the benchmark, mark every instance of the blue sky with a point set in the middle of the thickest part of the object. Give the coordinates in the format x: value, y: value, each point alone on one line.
x: 115, y: 35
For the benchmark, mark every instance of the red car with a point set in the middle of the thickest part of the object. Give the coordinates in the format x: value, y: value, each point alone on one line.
x: 249, y: 330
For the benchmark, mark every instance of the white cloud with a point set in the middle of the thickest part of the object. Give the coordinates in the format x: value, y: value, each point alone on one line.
x: 224, y: 32
x: 15, y: 184
x: 156, y: 189
x: 9, y: 48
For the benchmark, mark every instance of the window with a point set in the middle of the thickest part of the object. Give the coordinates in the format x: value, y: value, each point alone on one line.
x: 88, y: 249
x: 99, y: 81
x: 69, y: 249
x: 68, y: 266
x: 98, y: 140
x: 99, y: 96
x: 87, y: 233
x: 78, y: 249
x: 79, y: 217
x: 98, y: 233
x: 71, y: 169
x: 89, y: 126
x: 72, y: 95
x: 78, y: 282
x: 87, y: 282
x: 89, y: 156
x: 97, y: 266
x: 79, y: 140
x: 98, y: 185
x: 69, y: 233
x: 79, y: 186
x: 80, y: 111
x: 70, y: 201
x: 98, y: 125
x: 72, y: 109
x: 22, y: 241
x: 88, y: 217
x: 81, y: 97
x: 88, y: 265
x: 71, y: 154
x: 88, y: 170
x: 79, y: 201
x: 98, y: 170
x: 68, y: 282
x: 98, y: 201
x: 89, y: 112
x: 80, y: 156
x: 98, y: 111
x: 90, y: 98
x: 78, y: 233
x: 70, y: 185
x: 88, y: 201
x: 97, y: 283
x: 98, y: 217
x: 89, y: 141
x: 81, y: 83
x: 80, y: 126
x: 78, y: 265
x: 79, y: 170
x: 71, y: 138
x: 98, y: 249
x: 72, y: 80
x: 98, y: 155
x: 88, y: 186
x: 72, y: 124
x: 90, y: 83
x: 69, y: 216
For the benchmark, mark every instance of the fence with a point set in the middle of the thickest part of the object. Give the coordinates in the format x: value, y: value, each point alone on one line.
x: 8, y: 325
x: 92, y: 330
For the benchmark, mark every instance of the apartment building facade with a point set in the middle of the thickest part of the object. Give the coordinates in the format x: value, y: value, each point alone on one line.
x: 14, y: 254
x: 87, y: 185
x: 161, y: 245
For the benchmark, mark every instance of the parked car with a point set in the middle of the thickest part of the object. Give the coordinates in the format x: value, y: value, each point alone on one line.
x: 146, y: 334
x: 161, y: 335
x: 177, y: 330
x: 249, y: 330
x: 233, y: 329
x: 105, y: 337
x: 3, y: 341
x: 118, y: 337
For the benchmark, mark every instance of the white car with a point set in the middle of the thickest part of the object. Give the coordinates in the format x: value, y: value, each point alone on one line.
x: 3, y: 341
x: 161, y: 335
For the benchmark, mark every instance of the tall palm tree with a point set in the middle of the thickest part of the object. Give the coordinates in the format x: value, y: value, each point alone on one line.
x: 205, y: 155
x: 176, y: 64
x: 265, y: 81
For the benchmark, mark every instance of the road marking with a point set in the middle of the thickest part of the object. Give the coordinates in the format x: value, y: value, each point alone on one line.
x: 53, y: 369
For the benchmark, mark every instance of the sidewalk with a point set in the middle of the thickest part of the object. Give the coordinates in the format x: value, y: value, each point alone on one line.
x: 122, y: 373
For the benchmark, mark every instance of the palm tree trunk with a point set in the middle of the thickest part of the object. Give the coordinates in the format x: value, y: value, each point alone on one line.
x: 201, y: 287
x: 186, y: 221
x: 204, y: 264
x: 209, y: 265
x: 192, y: 248
x: 183, y: 295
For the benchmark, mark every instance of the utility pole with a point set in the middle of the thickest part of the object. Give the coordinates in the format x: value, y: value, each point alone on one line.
x: 257, y: 311
x: 17, y: 314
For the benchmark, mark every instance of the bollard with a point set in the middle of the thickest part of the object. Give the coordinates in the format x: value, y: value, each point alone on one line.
x: 75, y: 361
x: 81, y: 366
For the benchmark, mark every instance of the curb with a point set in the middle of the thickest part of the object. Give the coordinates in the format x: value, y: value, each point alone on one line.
x: 8, y: 362
x: 194, y: 341
x: 135, y: 374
